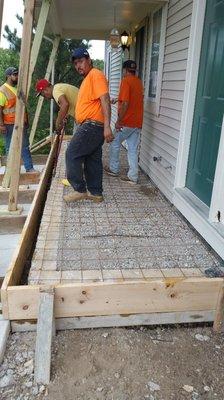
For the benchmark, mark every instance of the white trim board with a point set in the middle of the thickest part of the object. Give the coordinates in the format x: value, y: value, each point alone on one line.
x: 217, y: 202
x: 194, y: 52
x: 197, y: 215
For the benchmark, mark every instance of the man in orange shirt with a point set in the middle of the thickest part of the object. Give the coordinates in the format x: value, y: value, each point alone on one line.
x: 92, y: 114
x: 129, y: 123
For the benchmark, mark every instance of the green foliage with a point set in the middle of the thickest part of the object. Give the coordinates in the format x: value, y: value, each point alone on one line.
x: 2, y: 148
x: 98, y: 64
x: 8, y: 58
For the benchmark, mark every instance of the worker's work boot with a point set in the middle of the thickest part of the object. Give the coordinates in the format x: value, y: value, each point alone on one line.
x: 126, y: 179
x: 109, y: 172
x: 33, y: 171
x: 95, y: 198
x: 75, y: 196
x: 65, y: 182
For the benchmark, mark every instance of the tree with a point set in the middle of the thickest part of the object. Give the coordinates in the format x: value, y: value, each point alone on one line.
x: 98, y: 64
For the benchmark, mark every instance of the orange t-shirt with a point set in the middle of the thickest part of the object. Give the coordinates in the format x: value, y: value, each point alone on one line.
x: 131, y: 90
x: 88, y: 102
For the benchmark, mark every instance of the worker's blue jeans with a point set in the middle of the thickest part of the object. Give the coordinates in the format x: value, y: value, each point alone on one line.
x: 84, y: 159
x: 26, y: 156
x: 132, y: 137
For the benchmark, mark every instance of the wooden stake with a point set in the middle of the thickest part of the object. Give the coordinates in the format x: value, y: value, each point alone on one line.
x: 42, y: 144
x: 41, y: 99
x: 16, y: 144
x: 45, y: 6
x: 45, y: 332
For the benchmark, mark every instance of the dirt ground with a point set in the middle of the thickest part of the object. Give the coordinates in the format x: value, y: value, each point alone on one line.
x: 155, y: 363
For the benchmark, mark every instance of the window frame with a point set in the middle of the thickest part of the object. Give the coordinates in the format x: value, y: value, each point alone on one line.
x: 142, y: 24
x: 153, y: 104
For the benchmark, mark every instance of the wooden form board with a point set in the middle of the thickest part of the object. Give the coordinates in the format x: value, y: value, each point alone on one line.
x: 15, y: 270
x: 40, y: 159
x: 110, y: 321
x: 26, y: 178
x: 102, y: 298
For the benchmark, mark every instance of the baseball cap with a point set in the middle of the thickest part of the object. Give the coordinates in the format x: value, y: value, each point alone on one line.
x: 80, y: 53
x: 11, y: 70
x: 41, y: 85
x: 130, y: 64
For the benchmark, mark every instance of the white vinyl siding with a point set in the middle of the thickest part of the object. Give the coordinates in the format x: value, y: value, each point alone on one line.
x: 114, y: 79
x: 160, y: 134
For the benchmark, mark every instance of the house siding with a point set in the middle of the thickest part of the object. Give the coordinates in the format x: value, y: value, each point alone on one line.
x: 114, y: 78
x: 160, y: 134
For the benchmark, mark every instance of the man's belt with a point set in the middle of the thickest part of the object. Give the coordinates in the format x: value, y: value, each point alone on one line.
x: 93, y: 122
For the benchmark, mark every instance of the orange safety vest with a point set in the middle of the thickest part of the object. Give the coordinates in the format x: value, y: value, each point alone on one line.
x: 9, y: 110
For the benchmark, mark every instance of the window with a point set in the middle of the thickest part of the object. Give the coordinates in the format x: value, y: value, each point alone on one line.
x: 155, y: 52
x: 156, y: 49
x: 139, y: 51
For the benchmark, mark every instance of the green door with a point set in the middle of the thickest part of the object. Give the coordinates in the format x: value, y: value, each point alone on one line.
x: 209, y: 105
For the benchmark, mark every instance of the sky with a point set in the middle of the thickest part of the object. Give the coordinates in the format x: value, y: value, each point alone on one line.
x: 13, y: 7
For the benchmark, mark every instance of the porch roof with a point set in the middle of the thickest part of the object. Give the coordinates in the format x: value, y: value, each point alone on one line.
x: 94, y: 19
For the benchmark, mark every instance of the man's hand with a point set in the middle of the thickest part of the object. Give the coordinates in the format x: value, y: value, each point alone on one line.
x: 59, y: 124
x: 2, y: 128
x: 108, y: 135
x: 118, y: 126
x: 114, y: 101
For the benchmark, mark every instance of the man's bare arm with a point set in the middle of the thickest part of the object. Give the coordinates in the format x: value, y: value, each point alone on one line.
x: 106, y: 107
x: 62, y: 113
x: 121, y: 114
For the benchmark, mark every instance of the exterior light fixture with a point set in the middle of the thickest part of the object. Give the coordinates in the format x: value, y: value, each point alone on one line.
x: 125, y: 40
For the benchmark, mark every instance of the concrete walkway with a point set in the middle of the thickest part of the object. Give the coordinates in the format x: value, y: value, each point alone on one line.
x: 134, y: 233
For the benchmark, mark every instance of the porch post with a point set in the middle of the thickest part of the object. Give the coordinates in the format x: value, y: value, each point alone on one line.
x: 17, y: 137
x: 41, y: 99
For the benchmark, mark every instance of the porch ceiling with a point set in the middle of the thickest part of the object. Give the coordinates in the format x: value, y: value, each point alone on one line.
x: 93, y: 19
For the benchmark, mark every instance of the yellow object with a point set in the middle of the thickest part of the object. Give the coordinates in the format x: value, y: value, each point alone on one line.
x: 3, y: 98
x: 65, y: 182
x: 69, y: 91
